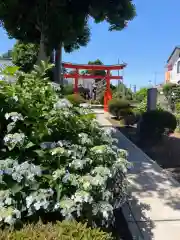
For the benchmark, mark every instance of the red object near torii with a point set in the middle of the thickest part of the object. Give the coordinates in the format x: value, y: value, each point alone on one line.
x: 108, y: 77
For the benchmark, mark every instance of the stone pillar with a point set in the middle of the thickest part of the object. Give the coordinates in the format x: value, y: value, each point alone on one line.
x: 152, y: 99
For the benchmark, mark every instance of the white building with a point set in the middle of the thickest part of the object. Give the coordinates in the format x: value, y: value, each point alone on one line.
x: 173, y: 67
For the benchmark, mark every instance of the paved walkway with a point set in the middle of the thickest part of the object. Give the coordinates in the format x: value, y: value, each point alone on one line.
x: 153, y: 210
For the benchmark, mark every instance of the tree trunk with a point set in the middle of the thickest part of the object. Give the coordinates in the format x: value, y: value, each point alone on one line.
x: 42, y: 56
x: 58, y: 76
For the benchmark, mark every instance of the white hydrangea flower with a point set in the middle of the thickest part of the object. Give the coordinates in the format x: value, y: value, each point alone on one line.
x: 62, y: 103
x: 102, y: 171
x: 29, y: 200
x: 104, y: 208
x: 10, y: 220
x: 59, y: 173
x: 99, y: 181
x: 39, y: 199
x: 17, y: 213
x: 48, y: 145
x: 68, y: 206
x: 84, y: 139
x: 25, y: 171
x: 65, y: 143
x: 7, y: 214
x: 98, y: 149
x: 8, y: 201
x: 78, y: 164
x: 123, y: 153
x: 82, y: 196
x: 14, y: 116
x: 106, y: 195
x: 86, y: 182
x: 15, y: 98
x: 11, y: 140
x: 109, y: 130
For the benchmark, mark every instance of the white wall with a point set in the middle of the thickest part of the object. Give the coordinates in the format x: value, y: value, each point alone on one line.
x: 174, y: 76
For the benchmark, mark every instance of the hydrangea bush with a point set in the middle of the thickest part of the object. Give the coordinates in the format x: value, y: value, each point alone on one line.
x: 55, y: 157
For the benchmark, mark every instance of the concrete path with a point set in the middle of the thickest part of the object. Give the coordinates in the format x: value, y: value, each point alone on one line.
x: 153, y: 209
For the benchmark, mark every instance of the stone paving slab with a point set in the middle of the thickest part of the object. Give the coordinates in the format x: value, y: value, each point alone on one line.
x: 153, y: 209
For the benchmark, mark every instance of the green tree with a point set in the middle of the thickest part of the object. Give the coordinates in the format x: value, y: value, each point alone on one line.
x: 55, y: 23
x: 96, y: 72
x: 141, y: 94
x: 122, y: 91
x: 25, y: 55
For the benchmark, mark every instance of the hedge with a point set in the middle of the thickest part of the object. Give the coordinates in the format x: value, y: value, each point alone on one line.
x: 60, y: 231
x: 154, y: 124
x: 119, y: 107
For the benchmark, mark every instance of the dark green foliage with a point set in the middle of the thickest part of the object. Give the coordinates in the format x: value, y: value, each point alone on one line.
x: 60, y: 231
x: 75, y: 99
x: 65, y: 23
x: 167, y: 88
x: 154, y: 124
x: 119, y: 107
x: 172, y: 94
x: 25, y: 56
x: 68, y: 89
x: 96, y: 72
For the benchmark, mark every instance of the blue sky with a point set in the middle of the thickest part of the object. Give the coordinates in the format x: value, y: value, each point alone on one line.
x: 144, y: 45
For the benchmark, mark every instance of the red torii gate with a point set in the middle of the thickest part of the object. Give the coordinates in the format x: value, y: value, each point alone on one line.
x: 108, y: 77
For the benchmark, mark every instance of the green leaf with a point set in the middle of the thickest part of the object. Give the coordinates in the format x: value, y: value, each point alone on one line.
x: 16, y: 188
x: 29, y: 145
x: 40, y: 153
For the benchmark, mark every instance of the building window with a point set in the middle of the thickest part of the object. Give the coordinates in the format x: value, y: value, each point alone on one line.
x: 178, y: 67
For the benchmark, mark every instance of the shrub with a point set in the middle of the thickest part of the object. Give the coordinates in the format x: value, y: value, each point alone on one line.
x: 119, y: 107
x: 25, y: 55
x: 154, y: 124
x: 95, y: 102
x: 60, y: 231
x: 178, y: 107
x: 101, y: 98
x: 75, y: 99
x: 68, y: 89
x: 142, y: 107
x: 177, y: 115
x: 55, y: 158
x: 141, y: 95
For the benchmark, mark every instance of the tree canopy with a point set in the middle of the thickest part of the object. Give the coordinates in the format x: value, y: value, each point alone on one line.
x: 25, y: 55
x: 96, y: 72
x: 65, y: 22
x: 61, y: 23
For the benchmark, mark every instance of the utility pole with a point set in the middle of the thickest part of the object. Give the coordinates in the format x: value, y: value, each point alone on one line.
x: 155, y: 79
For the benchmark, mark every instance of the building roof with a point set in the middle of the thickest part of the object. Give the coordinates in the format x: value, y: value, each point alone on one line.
x: 176, y: 48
